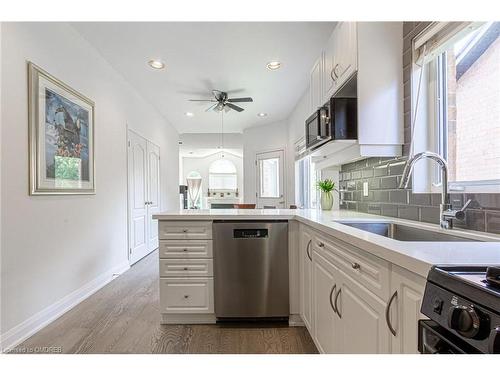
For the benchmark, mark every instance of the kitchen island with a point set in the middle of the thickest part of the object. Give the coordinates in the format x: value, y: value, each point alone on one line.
x: 339, y: 275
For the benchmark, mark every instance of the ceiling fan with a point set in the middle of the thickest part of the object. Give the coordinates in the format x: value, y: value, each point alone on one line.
x: 222, y: 102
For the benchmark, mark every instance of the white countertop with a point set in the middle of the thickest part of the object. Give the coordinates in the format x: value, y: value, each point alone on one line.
x: 417, y: 257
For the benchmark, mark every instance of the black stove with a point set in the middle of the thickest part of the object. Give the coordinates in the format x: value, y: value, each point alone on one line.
x: 463, y: 304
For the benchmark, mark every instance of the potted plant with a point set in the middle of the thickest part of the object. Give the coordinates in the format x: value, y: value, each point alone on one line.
x: 326, y: 187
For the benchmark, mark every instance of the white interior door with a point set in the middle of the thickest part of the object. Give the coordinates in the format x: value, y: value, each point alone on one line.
x: 270, y: 179
x: 143, y: 195
x: 153, y: 194
x: 137, y: 197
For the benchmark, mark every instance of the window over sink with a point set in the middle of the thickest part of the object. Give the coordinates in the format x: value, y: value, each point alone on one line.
x: 456, y: 66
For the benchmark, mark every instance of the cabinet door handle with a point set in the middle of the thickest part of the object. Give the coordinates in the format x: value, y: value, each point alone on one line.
x: 330, y: 298
x: 335, y: 303
x: 387, y: 314
x: 356, y: 266
x: 184, y: 249
x: 185, y: 268
x: 307, y: 250
x: 184, y: 231
x: 331, y: 75
x: 335, y: 71
x: 186, y: 296
x: 321, y: 244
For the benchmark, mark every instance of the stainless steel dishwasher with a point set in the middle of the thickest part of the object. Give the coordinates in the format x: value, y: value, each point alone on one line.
x: 251, y: 269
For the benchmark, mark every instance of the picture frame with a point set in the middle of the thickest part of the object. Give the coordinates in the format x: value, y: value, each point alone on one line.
x: 61, y: 137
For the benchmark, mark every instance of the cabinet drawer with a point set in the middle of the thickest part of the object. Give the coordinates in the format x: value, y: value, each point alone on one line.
x: 176, y: 230
x: 195, y: 295
x: 186, y: 249
x: 369, y: 270
x: 186, y: 268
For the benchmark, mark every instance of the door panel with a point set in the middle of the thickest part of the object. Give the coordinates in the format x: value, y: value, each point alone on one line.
x: 306, y: 279
x: 324, y: 288
x: 270, y: 179
x: 153, y: 193
x: 137, y: 175
x: 363, y: 328
x: 143, y: 195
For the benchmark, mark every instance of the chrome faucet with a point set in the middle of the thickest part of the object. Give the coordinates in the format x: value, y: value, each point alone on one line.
x: 446, y: 213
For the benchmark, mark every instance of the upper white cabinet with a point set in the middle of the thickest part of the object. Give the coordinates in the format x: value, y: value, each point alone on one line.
x: 373, y: 52
x: 338, y: 59
x: 316, y: 86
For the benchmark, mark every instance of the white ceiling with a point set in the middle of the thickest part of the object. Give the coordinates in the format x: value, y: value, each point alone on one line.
x: 203, y: 56
x: 200, y: 145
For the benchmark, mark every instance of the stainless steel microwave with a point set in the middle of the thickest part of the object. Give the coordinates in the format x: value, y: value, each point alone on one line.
x: 338, y: 119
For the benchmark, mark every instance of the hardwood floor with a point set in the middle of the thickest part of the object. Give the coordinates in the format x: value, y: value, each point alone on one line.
x: 123, y: 317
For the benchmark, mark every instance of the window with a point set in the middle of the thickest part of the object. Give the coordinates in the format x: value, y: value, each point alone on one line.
x: 461, y: 105
x: 305, y: 183
x: 269, y: 181
x: 222, y: 175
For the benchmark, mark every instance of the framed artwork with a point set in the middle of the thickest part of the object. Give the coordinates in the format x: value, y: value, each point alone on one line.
x: 61, y: 137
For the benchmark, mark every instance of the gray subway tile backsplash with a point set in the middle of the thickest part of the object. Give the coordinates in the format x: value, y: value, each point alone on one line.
x: 385, y: 198
x: 384, y: 173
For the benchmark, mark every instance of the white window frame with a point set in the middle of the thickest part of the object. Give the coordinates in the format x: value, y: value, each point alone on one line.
x: 430, y: 130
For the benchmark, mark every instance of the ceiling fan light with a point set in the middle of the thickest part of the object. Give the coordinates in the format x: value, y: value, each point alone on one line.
x: 189, y: 114
x: 273, y: 65
x: 262, y: 114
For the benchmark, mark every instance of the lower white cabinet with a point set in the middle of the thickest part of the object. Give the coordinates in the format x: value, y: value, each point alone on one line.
x: 404, y: 310
x: 342, y: 310
x: 362, y: 327
x: 305, y: 277
x: 325, y: 282
x: 187, y: 295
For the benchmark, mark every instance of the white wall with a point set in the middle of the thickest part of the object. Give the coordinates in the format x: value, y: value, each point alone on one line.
x: 260, y: 139
x: 53, y: 245
x: 201, y: 165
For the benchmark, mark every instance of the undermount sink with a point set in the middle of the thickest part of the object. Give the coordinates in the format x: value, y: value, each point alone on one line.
x: 402, y: 232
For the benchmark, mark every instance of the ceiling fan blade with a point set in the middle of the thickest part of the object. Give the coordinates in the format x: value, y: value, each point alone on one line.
x: 240, y: 100
x: 211, y: 107
x: 235, y: 107
x: 202, y: 100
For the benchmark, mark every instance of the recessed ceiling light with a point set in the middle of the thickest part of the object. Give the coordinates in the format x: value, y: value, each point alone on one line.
x: 189, y: 114
x: 262, y: 114
x: 273, y: 65
x: 156, y: 64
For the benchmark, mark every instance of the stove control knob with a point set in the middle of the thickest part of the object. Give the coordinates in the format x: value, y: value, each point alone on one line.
x: 464, y: 320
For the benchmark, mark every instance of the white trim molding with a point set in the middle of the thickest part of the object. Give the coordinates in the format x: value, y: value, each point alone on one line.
x: 41, y: 319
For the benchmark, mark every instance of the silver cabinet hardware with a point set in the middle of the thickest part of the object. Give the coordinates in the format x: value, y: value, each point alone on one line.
x: 356, y: 266
x: 321, y: 244
x: 307, y: 250
x: 335, y: 303
x: 387, y: 314
x: 331, y: 75
x: 330, y: 298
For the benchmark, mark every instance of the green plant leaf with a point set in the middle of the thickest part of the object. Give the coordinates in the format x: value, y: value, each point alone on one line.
x: 326, y: 185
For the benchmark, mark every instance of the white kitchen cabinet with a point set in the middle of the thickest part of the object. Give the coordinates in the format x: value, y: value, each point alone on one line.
x: 362, y: 327
x: 305, y: 271
x: 325, y: 280
x: 328, y: 78
x: 316, y: 86
x: 345, y: 52
x: 407, y: 291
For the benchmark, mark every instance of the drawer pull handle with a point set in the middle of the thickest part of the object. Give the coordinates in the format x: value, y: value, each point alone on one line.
x: 185, y: 268
x: 331, y: 302
x: 307, y: 250
x: 356, y: 266
x: 321, y: 244
x: 184, y: 249
x: 186, y: 296
x: 184, y: 230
